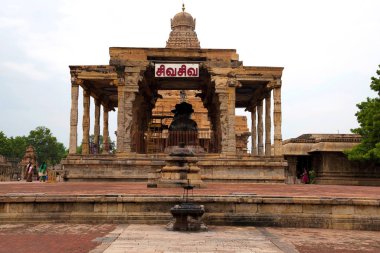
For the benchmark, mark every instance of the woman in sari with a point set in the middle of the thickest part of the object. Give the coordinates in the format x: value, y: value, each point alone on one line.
x: 305, y: 177
x: 42, y: 172
x: 29, y: 172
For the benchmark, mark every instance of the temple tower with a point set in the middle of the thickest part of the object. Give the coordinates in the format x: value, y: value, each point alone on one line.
x: 183, y: 33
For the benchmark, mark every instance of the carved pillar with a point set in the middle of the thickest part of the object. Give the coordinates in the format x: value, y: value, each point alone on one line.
x: 231, y: 120
x: 86, y: 122
x: 120, y: 116
x: 132, y: 77
x: 268, y: 125
x: 223, y: 100
x: 225, y: 90
x: 74, y: 116
x: 106, y: 144
x: 97, y: 124
x: 125, y: 114
x: 260, y: 146
x: 129, y: 98
x: 277, y: 119
x: 253, y: 131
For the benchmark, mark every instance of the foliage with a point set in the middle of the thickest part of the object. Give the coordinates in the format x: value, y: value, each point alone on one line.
x: 46, y: 145
x: 368, y: 117
x: 12, y: 147
x: 18, y: 146
x: 4, y: 145
x: 312, y: 176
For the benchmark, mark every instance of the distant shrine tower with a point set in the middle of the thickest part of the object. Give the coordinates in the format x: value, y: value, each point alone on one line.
x: 143, y: 85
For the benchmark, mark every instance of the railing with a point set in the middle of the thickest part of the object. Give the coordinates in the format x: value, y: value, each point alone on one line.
x: 156, y: 142
x: 95, y: 149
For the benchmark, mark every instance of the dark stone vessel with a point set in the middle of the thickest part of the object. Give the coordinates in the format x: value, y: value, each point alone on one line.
x: 181, y: 164
x: 187, y: 217
x: 183, y: 129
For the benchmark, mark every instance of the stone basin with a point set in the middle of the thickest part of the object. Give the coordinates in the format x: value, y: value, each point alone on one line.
x: 187, y: 217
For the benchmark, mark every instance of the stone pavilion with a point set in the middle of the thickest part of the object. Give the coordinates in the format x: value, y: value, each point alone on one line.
x: 142, y: 85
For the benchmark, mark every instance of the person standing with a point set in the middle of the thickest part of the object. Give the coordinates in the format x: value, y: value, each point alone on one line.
x: 29, y: 172
x: 27, y: 169
x: 305, y: 177
x: 42, y: 172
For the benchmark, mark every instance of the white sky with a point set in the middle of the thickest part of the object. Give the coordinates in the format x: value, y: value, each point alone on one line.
x: 329, y: 48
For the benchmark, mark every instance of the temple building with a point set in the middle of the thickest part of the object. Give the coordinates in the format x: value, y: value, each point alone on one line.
x: 143, y: 85
x: 323, y: 155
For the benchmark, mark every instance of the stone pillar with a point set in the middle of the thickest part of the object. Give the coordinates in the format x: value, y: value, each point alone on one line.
x: 74, y: 116
x: 127, y: 89
x: 106, y: 144
x: 97, y: 124
x: 225, y: 90
x: 86, y: 122
x: 268, y: 125
x: 132, y: 78
x: 120, y: 117
x: 129, y: 99
x: 223, y: 110
x: 231, y: 120
x: 253, y: 131
x: 291, y: 171
x: 260, y: 146
x: 277, y: 119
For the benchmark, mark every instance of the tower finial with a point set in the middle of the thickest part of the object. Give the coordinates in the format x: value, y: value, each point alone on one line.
x: 183, y: 7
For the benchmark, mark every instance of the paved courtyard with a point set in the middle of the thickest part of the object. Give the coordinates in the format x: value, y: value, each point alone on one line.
x: 111, y: 238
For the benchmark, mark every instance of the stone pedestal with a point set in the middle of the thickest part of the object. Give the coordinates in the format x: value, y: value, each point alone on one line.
x: 187, y: 217
x: 179, y: 171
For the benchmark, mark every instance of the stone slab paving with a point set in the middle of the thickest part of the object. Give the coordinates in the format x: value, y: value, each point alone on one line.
x: 110, y: 238
x: 155, y: 238
x: 129, y: 188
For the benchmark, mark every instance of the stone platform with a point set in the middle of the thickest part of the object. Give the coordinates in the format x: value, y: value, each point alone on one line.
x: 311, y: 206
x: 138, y: 167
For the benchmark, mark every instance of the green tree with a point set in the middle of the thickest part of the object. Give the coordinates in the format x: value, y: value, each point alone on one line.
x: 5, y: 148
x: 18, y: 146
x: 46, y: 145
x: 368, y: 117
x: 12, y: 147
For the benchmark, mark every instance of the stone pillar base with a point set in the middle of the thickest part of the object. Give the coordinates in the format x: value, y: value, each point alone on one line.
x: 179, y: 172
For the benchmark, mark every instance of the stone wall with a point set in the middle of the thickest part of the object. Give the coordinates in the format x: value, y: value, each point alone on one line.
x: 333, y: 213
x: 335, y: 168
x: 139, y: 168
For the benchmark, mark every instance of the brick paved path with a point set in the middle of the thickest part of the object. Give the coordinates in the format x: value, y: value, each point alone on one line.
x: 51, y: 238
x: 211, y: 189
x: 309, y: 240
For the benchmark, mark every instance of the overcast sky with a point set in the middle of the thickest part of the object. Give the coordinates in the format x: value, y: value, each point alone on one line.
x: 329, y: 50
